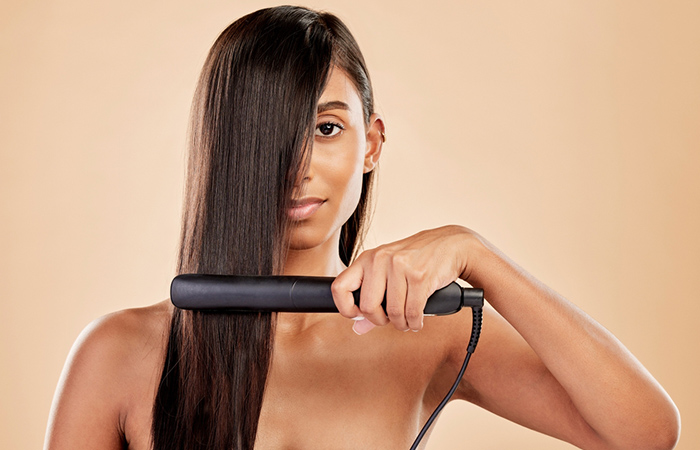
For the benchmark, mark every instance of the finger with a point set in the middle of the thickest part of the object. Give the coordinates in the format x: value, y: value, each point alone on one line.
x: 396, y: 288
x: 373, y: 289
x: 345, y: 283
x: 416, y: 298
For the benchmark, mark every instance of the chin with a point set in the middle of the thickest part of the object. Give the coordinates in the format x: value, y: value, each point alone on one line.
x: 318, y: 234
x: 305, y: 238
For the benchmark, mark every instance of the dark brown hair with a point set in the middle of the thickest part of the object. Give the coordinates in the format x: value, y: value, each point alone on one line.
x: 253, y: 114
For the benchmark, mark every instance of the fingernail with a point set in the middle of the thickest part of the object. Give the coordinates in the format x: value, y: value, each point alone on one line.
x: 360, y: 317
x: 354, y: 328
x: 361, y: 327
x: 415, y: 331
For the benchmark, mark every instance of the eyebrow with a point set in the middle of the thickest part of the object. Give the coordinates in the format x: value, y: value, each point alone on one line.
x: 323, y: 107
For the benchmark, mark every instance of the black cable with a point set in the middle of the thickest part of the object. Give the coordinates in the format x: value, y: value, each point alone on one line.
x: 477, y: 317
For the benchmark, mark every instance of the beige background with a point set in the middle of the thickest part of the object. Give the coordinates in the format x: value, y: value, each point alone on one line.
x: 566, y: 132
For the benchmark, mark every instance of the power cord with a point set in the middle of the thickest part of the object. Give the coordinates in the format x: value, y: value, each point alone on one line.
x: 477, y: 317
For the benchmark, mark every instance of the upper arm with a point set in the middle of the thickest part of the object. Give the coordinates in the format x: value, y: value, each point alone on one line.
x: 506, y: 377
x: 87, y: 406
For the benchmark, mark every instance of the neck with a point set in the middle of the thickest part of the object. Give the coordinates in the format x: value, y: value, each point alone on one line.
x: 322, y: 260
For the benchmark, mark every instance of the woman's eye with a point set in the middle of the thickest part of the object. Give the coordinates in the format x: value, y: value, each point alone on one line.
x: 328, y: 129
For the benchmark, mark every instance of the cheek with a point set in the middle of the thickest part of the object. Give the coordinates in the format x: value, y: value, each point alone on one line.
x: 344, y: 178
x: 352, y: 192
x: 350, y: 200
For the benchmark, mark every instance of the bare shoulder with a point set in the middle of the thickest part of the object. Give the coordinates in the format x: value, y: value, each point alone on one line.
x: 113, y: 362
x: 129, y: 329
x: 116, y: 342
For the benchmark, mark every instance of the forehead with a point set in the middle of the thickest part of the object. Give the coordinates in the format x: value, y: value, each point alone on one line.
x: 340, y: 88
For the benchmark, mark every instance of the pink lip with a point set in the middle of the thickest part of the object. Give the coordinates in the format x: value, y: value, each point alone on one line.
x: 304, y: 208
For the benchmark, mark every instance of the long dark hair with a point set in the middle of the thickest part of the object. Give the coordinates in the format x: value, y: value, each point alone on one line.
x: 253, y: 115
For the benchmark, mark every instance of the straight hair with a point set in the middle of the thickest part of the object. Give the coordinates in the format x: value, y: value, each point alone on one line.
x: 252, y: 118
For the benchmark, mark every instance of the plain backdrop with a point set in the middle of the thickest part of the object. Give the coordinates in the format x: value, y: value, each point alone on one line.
x: 565, y: 132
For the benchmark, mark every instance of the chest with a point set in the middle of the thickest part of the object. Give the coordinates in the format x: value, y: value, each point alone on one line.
x: 332, y: 390
x: 345, y: 392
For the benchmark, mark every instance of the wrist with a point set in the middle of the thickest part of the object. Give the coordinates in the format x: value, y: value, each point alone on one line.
x: 475, y: 250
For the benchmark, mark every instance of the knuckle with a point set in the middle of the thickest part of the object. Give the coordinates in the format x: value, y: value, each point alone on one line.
x: 414, y: 313
x: 459, y: 229
x: 401, y: 259
x: 417, y: 274
x: 340, y: 299
x: 363, y: 257
x: 368, y: 309
x: 394, y: 311
x: 380, y: 254
x: 337, y: 288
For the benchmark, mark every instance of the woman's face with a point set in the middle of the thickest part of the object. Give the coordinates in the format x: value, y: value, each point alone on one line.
x: 344, y: 148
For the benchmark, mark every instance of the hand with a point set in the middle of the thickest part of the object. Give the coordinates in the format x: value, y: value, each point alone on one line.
x: 409, y: 271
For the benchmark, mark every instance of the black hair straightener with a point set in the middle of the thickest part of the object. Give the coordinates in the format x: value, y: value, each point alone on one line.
x: 238, y: 293
x: 292, y: 294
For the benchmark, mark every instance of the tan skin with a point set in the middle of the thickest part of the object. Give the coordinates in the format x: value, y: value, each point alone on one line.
x: 541, y: 361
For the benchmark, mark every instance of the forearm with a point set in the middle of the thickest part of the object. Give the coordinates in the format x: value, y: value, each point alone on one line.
x: 611, y: 390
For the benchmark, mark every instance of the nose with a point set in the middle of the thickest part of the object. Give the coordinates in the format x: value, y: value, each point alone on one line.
x: 303, y: 177
x: 302, y: 180
x: 306, y: 174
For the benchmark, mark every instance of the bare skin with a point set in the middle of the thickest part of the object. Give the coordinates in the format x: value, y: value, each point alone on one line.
x: 339, y: 384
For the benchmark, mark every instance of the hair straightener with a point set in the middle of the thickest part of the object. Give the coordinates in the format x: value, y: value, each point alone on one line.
x: 239, y: 293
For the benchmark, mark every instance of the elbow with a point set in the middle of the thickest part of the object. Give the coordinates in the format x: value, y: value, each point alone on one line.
x: 663, y: 433
x: 666, y: 439
x: 670, y: 431
x: 657, y: 430
x: 663, y: 424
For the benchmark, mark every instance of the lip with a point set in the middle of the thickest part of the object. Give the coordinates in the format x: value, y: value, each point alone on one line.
x: 304, y: 208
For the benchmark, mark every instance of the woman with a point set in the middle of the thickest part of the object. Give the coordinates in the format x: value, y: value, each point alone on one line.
x: 284, y: 143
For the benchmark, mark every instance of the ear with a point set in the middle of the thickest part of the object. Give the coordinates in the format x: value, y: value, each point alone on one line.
x: 375, y: 140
